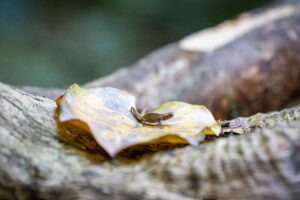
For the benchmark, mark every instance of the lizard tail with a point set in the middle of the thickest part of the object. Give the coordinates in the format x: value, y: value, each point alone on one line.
x: 135, y: 114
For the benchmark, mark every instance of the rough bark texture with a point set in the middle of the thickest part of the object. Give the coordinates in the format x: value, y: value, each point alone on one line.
x: 256, y: 71
x: 240, y: 76
x: 35, y: 163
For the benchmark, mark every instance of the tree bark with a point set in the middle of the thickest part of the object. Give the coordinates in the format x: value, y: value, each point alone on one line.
x: 235, y: 69
x: 237, y: 76
x: 253, y: 71
x: 36, y: 163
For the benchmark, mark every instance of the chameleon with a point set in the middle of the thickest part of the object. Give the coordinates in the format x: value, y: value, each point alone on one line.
x: 153, y: 119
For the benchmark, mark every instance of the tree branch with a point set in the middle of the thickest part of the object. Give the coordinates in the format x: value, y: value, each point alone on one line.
x: 35, y: 163
x: 256, y: 70
x: 235, y: 69
x: 238, y: 68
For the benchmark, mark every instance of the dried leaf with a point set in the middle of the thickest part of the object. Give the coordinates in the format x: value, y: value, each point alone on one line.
x: 105, y: 112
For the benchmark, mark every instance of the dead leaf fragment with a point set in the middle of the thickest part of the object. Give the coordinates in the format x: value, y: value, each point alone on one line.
x: 105, y: 112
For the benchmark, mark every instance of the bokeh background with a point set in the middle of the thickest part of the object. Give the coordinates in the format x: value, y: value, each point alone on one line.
x: 54, y: 43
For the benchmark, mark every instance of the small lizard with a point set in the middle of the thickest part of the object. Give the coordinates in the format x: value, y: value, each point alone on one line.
x: 153, y: 119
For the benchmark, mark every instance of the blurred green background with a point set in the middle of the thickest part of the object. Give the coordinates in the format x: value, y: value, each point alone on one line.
x: 56, y: 43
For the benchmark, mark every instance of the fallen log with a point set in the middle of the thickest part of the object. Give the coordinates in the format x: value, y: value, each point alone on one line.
x: 262, y: 73
x: 36, y: 164
x: 243, y: 66
x: 238, y: 68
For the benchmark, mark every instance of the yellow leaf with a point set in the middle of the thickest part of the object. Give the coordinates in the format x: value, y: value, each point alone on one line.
x: 105, y: 112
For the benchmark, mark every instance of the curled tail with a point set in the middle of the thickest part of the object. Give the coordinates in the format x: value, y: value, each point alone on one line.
x: 135, y: 113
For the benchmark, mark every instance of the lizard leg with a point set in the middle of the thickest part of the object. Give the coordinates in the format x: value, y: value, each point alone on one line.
x: 160, y: 124
x: 137, y: 125
x: 143, y: 123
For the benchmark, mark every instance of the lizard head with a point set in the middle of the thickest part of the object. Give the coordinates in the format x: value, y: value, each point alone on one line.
x: 167, y: 115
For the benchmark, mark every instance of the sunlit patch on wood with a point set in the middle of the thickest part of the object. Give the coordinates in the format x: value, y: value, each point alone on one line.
x: 105, y: 114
